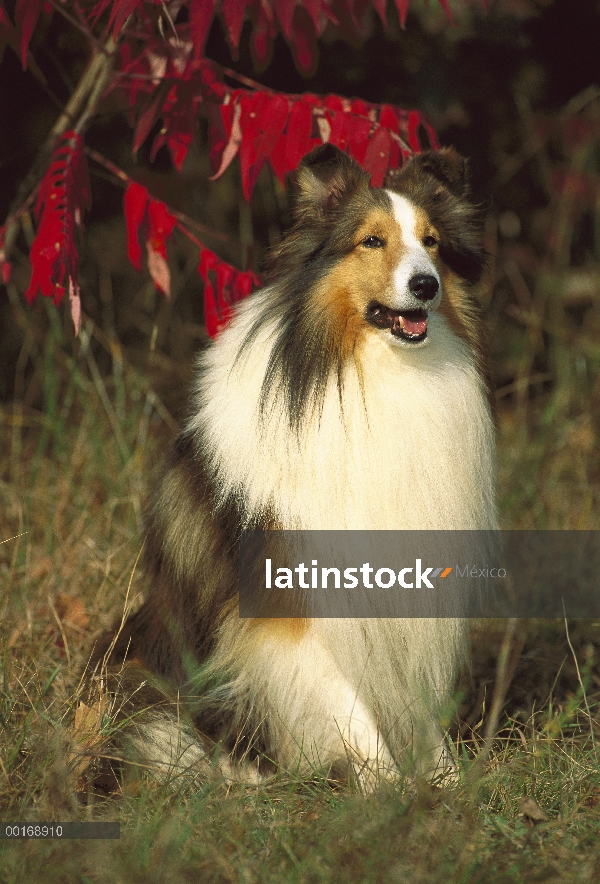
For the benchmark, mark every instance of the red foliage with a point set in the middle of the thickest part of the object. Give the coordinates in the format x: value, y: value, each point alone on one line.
x: 26, y: 16
x: 162, y: 73
x: 63, y: 194
x: 5, y: 268
x: 140, y: 206
x: 265, y: 126
x: 224, y: 286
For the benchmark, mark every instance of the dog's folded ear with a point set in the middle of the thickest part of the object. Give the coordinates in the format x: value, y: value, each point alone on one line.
x: 446, y: 165
x: 325, y: 178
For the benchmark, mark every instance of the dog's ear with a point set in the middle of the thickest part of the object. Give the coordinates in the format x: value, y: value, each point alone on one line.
x: 325, y: 178
x: 446, y: 165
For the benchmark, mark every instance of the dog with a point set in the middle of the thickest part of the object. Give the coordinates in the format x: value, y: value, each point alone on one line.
x: 349, y: 393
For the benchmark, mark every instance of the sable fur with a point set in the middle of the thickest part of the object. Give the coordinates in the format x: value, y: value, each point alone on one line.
x: 305, y: 416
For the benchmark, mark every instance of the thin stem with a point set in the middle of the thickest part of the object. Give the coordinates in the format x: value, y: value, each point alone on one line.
x: 83, y: 101
x: 181, y: 217
x: 58, y: 7
x: 579, y: 678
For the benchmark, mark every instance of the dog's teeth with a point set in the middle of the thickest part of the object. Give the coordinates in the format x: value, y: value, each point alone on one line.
x: 397, y: 324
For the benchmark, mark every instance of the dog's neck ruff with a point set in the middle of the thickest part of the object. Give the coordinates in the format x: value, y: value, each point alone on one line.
x: 408, y: 444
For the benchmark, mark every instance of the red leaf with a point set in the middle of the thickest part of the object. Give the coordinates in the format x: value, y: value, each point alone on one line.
x: 26, y: 15
x: 298, y: 134
x: 341, y: 129
x: 4, y: 19
x: 380, y: 9
x: 233, y: 145
x: 211, y: 317
x: 304, y: 43
x: 201, y: 15
x: 179, y: 114
x: 283, y: 128
x: 160, y: 226
x: 63, y: 194
x: 6, y: 31
x: 358, y: 142
x: 75, y: 305
x: 273, y: 123
x: 208, y: 262
x: 233, y: 14
x: 224, y: 274
x: 5, y: 267
x: 100, y: 7
x: 255, y: 114
x: 159, y: 270
x: 402, y: 7
x: 446, y: 7
x: 261, y: 40
x: 243, y: 284
x: 285, y: 14
x: 149, y: 115
x: 414, y: 121
x: 333, y: 102
x: 377, y: 158
x: 360, y: 107
x: 134, y: 204
x: 224, y: 286
x: 120, y: 12
x: 388, y: 118
x: 396, y: 156
x: 319, y: 12
x: 138, y: 203
x: 179, y: 145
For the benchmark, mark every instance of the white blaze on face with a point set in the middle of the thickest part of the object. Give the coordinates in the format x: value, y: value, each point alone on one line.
x: 413, y: 258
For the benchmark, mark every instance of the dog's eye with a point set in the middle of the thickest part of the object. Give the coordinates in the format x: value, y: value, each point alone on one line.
x: 373, y: 242
x: 429, y: 242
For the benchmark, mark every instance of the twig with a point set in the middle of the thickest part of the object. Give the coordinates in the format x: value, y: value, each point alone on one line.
x: 83, y: 102
x: 104, y: 342
x: 58, y: 7
x: 124, y: 616
x: 501, y: 685
x: 523, y: 383
x: 585, y: 700
x: 181, y: 216
x: 62, y: 632
x: 252, y: 84
x: 536, y: 142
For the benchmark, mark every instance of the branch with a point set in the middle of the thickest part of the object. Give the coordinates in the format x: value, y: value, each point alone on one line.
x: 185, y: 220
x: 76, y: 115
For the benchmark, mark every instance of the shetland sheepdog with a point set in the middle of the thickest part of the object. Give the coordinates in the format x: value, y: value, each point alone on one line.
x: 349, y: 393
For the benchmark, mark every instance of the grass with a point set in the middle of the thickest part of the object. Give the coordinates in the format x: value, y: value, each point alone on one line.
x: 73, y: 474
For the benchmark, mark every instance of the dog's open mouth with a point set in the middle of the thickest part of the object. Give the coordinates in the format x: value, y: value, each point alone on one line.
x: 411, y: 325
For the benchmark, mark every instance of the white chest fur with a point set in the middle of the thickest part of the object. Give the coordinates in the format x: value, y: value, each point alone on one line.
x: 409, y: 445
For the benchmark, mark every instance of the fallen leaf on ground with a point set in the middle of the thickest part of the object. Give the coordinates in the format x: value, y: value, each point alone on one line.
x: 87, y: 735
x: 71, y: 611
x: 531, y: 809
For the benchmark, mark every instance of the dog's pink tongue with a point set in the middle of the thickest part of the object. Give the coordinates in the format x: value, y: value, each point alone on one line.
x: 414, y: 326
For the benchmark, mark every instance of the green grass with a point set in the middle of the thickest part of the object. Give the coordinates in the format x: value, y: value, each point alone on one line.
x: 79, y: 446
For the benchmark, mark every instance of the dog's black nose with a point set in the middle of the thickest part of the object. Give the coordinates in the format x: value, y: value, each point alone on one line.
x: 423, y: 286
